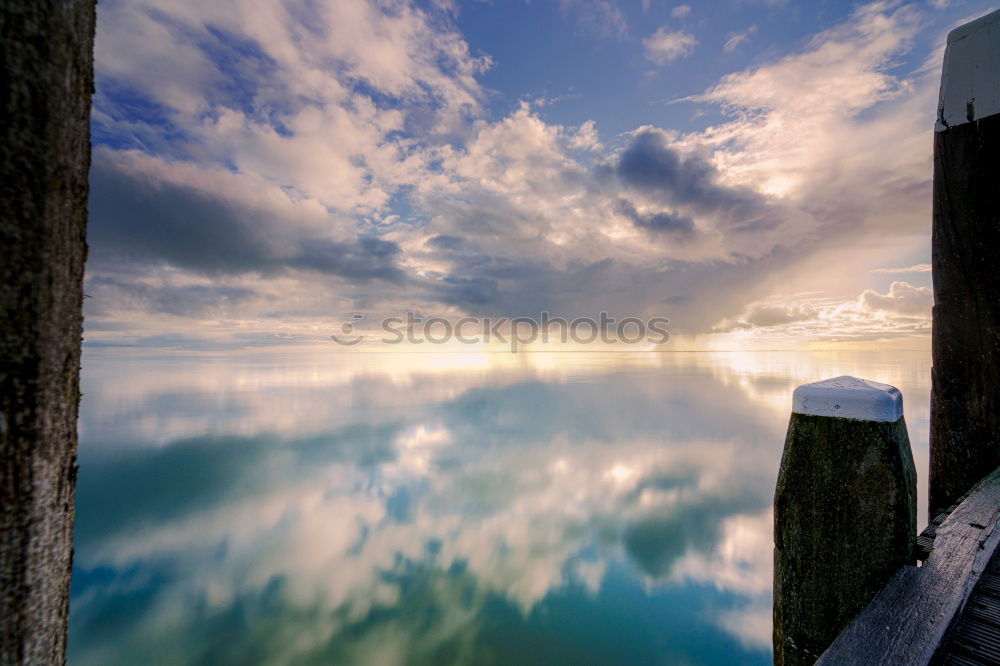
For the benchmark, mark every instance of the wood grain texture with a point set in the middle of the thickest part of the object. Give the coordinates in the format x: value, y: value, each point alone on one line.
x: 965, y: 394
x: 976, y: 639
x: 912, y: 616
x: 844, y: 521
x: 45, y: 90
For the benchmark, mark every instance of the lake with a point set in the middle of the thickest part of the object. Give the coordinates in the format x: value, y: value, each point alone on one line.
x: 462, y: 508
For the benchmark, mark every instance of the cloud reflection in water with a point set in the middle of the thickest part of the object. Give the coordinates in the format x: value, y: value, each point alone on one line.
x: 481, y: 508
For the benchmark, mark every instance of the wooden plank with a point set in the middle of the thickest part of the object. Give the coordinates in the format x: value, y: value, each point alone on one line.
x: 925, y: 540
x: 977, y: 635
x: 911, y: 617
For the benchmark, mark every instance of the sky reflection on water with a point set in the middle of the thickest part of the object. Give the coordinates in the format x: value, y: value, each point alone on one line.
x: 577, y: 508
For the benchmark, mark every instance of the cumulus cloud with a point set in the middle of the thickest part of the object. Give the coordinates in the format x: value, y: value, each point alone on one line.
x: 529, y: 227
x: 903, y: 312
x: 664, y: 46
x: 273, y: 161
x: 903, y: 298
x: 651, y: 162
x: 800, y: 113
x: 259, y: 93
x: 771, y: 313
x: 265, y: 143
x: 790, y: 136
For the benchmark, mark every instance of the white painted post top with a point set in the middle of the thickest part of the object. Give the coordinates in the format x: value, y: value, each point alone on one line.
x: 970, y: 80
x: 849, y: 398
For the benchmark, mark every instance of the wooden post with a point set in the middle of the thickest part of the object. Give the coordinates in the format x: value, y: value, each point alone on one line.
x: 965, y: 396
x: 845, y: 511
x: 45, y: 89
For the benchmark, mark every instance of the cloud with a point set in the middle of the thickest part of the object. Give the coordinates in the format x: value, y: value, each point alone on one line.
x: 254, y: 150
x: 761, y: 314
x: 446, y: 242
x: 770, y: 314
x: 665, y: 46
x: 901, y: 313
x: 286, y: 92
x: 186, y: 300
x: 903, y: 298
x: 652, y: 163
x: 263, y: 149
x: 663, y: 222
x: 680, y: 11
x: 916, y: 268
x: 793, y: 116
x: 824, y: 153
x: 137, y: 218
x: 600, y: 18
x: 541, y: 230
x: 407, y: 55
x: 735, y: 39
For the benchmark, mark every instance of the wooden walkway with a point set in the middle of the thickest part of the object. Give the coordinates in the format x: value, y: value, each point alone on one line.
x: 976, y: 638
x: 945, y: 611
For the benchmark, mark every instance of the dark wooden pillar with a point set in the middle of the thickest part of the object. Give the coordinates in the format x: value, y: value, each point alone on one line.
x: 965, y: 398
x: 845, y: 511
x: 47, y: 78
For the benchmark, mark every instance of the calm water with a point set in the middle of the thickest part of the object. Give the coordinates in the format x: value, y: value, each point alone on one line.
x: 389, y: 509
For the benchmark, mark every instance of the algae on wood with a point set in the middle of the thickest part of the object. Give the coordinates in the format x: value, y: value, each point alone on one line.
x: 845, y: 522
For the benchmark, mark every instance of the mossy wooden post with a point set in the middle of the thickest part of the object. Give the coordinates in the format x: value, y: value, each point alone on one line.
x: 845, y: 511
x: 965, y: 396
x: 45, y: 89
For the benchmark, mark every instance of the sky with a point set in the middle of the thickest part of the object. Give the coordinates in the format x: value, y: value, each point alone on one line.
x: 757, y: 171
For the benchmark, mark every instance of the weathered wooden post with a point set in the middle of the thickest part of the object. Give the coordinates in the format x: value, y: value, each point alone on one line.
x: 965, y: 397
x: 845, y: 511
x: 45, y: 87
